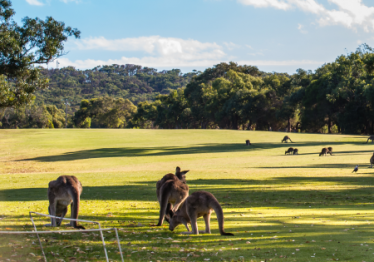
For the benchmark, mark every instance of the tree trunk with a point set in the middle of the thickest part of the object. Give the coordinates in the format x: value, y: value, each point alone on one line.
x: 289, y: 125
x: 249, y: 124
x: 329, y: 125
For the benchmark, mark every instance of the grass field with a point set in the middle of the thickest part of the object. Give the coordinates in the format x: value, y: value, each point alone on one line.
x: 280, y: 208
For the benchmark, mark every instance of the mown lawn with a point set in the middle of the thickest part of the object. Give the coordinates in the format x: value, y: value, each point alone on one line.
x: 280, y: 208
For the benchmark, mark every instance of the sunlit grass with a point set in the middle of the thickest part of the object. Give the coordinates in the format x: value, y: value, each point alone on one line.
x: 298, y: 208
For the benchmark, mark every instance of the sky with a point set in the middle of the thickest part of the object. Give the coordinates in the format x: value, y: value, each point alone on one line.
x: 274, y: 35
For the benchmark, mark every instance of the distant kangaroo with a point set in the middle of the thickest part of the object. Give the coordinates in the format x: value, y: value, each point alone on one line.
x: 323, y: 152
x: 288, y: 151
x: 64, y: 191
x: 198, y: 204
x: 372, y: 160
x: 370, y: 138
x: 329, y: 150
x: 171, y: 189
x: 286, y: 138
x: 247, y: 143
x: 296, y: 151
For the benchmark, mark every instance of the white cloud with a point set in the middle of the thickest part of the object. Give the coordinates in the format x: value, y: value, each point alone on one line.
x: 231, y: 45
x: 34, y: 2
x: 301, y: 29
x: 167, y: 47
x: 267, y: 3
x: 349, y: 13
x: 67, y: 1
x: 163, y: 52
x: 163, y: 62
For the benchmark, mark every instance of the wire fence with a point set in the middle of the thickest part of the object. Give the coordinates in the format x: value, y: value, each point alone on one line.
x: 99, y: 229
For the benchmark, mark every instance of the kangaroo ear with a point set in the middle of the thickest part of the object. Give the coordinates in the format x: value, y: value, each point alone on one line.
x: 171, y: 213
x: 184, y: 172
x: 177, y: 170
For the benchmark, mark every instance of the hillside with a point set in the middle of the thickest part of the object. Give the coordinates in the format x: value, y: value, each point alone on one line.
x: 133, y: 82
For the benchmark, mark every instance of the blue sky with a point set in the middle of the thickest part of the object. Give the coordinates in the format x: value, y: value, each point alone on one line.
x: 274, y: 35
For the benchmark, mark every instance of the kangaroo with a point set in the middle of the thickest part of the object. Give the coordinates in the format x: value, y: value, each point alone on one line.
x: 288, y: 151
x: 323, y: 152
x: 247, y: 143
x: 296, y: 151
x: 370, y: 138
x: 329, y: 150
x: 171, y: 189
x: 286, y: 138
x: 64, y: 191
x: 198, y: 204
x: 372, y: 160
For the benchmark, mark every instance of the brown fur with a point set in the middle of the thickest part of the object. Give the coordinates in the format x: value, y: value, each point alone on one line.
x: 286, y: 138
x: 288, y: 151
x: 64, y: 191
x: 329, y: 151
x: 171, y: 190
x: 323, y: 151
x: 296, y: 151
x: 372, y: 160
x: 370, y: 138
x: 248, y: 143
x: 198, y: 204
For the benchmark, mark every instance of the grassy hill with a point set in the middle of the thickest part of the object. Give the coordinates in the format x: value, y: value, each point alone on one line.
x: 299, y: 207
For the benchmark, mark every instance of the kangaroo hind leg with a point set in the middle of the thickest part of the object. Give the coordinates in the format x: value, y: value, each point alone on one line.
x: 163, y: 208
x: 207, y: 224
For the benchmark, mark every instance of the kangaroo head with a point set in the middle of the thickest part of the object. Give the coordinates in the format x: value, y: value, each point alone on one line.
x: 175, y: 221
x: 181, y: 174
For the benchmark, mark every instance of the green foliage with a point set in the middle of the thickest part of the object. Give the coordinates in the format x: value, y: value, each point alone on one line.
x: 104, y: 112
x: 131, y: 82
x: 22, y: 48
x: 32, y: 117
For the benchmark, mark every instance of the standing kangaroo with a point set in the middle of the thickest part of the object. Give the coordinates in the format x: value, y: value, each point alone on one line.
x: 64, y: 191
x: 286, y: 138
x: 198, y: 204
x: 370, y: 138
x: 171, y: 189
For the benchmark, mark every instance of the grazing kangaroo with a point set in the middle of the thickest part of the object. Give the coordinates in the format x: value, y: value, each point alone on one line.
x: 286, y: 138
x: 372, y: 160
x: 247, y: 143
x: 370, y: 138
x: 323, y: 152
x: 288, y: 151
x: 171, y: 189
x: 64, y: 191
x: 198, y: 204
x: 296, y: 151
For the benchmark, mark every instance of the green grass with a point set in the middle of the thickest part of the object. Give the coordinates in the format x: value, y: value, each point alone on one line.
x: 280, y: 208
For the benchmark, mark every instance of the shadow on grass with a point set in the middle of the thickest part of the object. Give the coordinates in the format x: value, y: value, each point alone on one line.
x: 341, y: 166
x: 165, y: 151
x: 235, y: 193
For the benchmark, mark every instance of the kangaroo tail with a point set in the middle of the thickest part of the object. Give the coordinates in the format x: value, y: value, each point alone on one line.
x: 75, y: 209
x: 164, y: 201
x: 218, y: 209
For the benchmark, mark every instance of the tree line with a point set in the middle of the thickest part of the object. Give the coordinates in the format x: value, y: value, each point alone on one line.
x: 337, y: 97
x: 133, y: 82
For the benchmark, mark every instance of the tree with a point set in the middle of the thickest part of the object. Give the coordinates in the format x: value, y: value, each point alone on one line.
x: 22, y: 49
